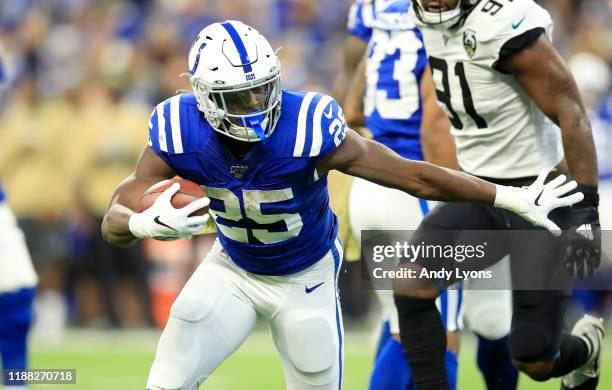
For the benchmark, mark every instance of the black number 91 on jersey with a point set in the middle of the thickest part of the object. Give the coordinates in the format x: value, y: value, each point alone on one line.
x: 444, y: 95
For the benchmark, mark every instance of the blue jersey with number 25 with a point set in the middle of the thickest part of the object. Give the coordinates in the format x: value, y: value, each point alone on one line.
x: 271, y: 208
x: 394, y: 68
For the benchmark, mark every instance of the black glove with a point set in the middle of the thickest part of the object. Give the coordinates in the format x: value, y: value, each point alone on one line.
x: 583, y: 251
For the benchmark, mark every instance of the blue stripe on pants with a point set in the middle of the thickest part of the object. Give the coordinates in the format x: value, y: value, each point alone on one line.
x: 337, y: 263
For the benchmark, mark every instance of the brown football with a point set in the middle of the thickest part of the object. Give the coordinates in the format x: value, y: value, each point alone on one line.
x: 189, y: 192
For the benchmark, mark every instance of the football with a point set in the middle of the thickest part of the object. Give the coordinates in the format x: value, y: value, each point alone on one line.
x: 188, y: 192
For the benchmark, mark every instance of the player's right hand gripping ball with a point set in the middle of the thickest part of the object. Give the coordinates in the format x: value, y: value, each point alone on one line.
x: 583, y: 251
x: 170, y: 210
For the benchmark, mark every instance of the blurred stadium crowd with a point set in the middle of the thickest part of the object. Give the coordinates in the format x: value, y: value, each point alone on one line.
x: 84, y: 76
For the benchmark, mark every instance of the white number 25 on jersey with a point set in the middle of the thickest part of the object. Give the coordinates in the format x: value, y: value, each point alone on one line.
x: 253, y: 199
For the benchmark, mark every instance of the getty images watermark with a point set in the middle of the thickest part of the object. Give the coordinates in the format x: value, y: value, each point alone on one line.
x: 476, y: 259
x: 404, y: 251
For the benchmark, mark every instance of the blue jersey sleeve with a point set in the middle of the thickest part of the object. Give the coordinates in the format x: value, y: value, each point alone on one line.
x: 321, y: 126
x: 357, y: 25
x: 333, y: 125
x: 175, y: 126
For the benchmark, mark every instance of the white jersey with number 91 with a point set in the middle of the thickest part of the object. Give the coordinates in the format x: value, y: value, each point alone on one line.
x: 498, y: 129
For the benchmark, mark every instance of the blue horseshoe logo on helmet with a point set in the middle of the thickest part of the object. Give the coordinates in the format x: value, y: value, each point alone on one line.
x: 197, y: 60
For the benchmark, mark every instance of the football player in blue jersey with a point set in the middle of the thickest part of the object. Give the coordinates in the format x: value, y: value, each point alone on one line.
x: 393, y: 95
x: 263, y: 154
x: 17, y: 288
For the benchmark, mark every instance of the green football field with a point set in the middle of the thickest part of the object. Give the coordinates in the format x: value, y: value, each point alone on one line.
x: 121, y: 359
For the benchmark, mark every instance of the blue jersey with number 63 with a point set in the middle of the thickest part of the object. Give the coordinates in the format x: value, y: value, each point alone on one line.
x: 271, y: 208
x: 394, y: 68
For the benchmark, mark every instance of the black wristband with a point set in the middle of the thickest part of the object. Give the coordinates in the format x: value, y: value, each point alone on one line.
x: 591, y: 196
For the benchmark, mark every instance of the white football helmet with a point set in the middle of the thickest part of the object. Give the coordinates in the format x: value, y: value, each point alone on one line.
x: 442, y: 17
x: 235, y: 76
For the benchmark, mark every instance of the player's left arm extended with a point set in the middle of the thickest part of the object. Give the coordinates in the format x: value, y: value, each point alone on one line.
x: 375, y: 162
x: 549, y: 82
x: 370, y: 160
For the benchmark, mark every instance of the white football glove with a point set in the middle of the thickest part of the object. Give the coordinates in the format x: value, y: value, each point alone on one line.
x: 533, y: 203
x: 164, y: 222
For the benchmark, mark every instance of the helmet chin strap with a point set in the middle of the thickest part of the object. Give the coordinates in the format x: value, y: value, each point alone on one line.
x: 254, y: 122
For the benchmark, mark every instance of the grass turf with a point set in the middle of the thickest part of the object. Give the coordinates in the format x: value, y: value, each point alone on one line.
x: 121, y: 360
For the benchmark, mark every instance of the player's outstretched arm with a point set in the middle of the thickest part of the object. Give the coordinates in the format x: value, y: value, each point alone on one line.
x: 122, y: 226
x: 370, y: 160
x: 375, y: 162
x: 546, y: 78
x: 552, y: 87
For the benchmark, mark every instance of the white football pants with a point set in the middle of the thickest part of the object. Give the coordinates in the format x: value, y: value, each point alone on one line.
x: 220, y: 305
